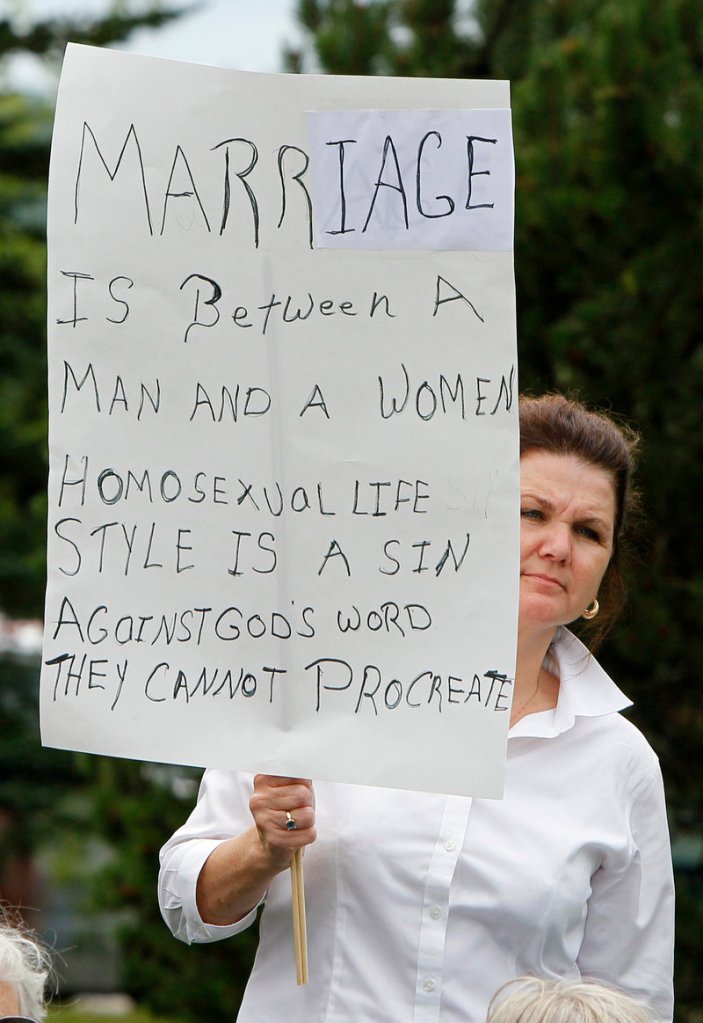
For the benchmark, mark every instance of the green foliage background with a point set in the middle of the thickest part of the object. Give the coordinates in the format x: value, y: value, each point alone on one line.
x: 608, y: 121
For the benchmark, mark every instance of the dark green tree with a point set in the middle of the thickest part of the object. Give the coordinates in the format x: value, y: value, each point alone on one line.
x: 24, y: 141
x: 25, y: 138
x: 33, y: 781
x: 607, y: 106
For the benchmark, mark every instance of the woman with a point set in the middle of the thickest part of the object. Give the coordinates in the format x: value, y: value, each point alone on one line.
x: 420, y: 906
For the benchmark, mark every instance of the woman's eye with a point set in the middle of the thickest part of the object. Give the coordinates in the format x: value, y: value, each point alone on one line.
x: 589, y: 533
x: 531, y: 513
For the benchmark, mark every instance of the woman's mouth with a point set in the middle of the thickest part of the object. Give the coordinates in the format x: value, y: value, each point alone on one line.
x: 548, y: 580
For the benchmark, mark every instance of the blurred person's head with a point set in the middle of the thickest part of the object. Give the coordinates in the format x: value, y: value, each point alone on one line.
x: 24, y: 970
x: 533, y: 1000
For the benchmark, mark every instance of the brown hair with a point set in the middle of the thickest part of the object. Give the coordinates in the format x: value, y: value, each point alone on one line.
x: 565, y: 426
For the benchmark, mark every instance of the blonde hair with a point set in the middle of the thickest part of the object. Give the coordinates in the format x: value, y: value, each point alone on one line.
x: 25, y: 965
x: 534, y: 1000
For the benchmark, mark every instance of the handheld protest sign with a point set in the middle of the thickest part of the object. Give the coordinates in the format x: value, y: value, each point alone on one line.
x: 283, y: 525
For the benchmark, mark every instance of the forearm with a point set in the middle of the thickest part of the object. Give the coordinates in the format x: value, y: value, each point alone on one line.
x: 234, y: 879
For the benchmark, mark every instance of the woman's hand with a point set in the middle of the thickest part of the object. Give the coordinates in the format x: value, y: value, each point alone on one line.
x: 273, y: 799
x: 235, y: 876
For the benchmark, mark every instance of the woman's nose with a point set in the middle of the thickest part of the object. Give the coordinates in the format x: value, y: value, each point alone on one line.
x: 556, y: 542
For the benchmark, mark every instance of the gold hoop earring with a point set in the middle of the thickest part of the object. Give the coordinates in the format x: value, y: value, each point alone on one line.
x: 591, y: 611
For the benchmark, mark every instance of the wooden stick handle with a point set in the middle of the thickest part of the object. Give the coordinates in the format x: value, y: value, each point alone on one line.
x: 300, y: 933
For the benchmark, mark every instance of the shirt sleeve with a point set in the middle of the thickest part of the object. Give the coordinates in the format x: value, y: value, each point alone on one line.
x: 629, y: 935
x: 221, y: 812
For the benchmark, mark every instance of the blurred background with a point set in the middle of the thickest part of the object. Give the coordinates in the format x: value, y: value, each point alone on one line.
x: 608, y: 122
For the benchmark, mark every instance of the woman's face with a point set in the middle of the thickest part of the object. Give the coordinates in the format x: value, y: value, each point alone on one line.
x: 567, y: 516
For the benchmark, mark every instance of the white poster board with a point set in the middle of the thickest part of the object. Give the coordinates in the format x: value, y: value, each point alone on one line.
x: 283, y: 518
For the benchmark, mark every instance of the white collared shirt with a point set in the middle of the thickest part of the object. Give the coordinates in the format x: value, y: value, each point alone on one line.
x: 420, y: 906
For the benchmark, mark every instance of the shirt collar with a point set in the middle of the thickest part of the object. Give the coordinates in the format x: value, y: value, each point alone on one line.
x: 585, y: 690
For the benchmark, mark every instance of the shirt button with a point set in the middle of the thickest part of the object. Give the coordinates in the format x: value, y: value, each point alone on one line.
x: 450, y: 846
x: 435, y: 912
x: 429, y: 986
